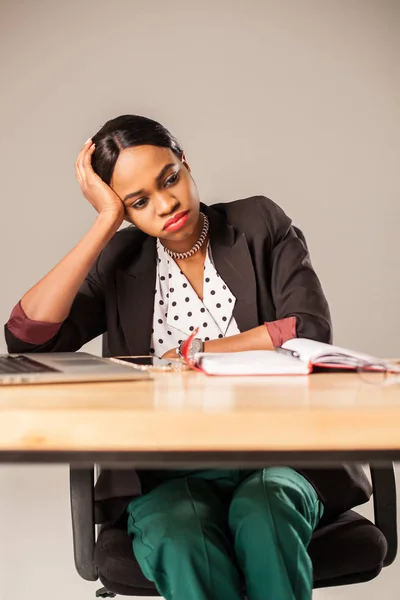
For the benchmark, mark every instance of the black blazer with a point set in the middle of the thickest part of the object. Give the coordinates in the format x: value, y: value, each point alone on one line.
x: 266, y: 266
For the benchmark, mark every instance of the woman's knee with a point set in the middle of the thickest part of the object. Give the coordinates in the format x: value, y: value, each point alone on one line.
x: 288, y: 489
x: 278, y: 489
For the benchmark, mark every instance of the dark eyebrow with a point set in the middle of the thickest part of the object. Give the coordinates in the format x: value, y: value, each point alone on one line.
x: 158, y: 179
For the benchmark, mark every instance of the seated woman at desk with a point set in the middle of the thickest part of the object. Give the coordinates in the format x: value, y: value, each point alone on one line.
x: 239, y: 272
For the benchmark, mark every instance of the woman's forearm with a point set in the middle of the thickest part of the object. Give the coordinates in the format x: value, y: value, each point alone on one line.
x: 50, y: 300
x: 253, y: 339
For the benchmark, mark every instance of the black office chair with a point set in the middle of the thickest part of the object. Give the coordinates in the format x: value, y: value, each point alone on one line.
x: 349, y: 550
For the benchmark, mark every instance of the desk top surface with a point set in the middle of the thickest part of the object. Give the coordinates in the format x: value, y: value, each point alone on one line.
x: 193, y: 412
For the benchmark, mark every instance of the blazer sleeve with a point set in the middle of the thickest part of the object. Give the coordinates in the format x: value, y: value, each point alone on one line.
x: 295, y: 287
x: 86, y: 320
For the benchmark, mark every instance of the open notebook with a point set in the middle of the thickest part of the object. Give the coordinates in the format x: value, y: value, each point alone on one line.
x: 298, y: 356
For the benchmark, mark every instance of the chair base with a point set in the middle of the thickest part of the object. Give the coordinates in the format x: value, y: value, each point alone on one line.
x: 104, y: 593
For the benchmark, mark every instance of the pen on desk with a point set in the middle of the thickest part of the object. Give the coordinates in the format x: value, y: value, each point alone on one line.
x: 287, y: 352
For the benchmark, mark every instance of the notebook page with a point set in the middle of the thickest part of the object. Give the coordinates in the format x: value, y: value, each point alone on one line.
x: 312, y: 351
x: 252, y: 362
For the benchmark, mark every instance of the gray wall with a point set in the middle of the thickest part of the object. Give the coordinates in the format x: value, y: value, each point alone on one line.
x: 298, y: 100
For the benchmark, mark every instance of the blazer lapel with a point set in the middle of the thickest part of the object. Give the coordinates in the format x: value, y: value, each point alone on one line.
x: 233, y: 262
x: 135, y: 297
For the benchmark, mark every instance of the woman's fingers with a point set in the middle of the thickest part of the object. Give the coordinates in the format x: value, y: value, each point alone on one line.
x: 79, y: 168
x: 78, y: 176
x: 87, y: 161
x: 78, y: 162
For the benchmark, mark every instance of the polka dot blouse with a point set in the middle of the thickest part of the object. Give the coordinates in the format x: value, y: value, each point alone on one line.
x: 178, y: 310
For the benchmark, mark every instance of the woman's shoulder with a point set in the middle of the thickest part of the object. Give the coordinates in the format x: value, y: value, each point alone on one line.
x: 255, y: 214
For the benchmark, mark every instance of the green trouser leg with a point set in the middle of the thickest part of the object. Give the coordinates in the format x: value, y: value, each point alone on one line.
x: 182, y: 542
x: 273, y: 514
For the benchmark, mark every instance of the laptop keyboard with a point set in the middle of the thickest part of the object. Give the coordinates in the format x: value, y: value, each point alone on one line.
x: 22, y: 364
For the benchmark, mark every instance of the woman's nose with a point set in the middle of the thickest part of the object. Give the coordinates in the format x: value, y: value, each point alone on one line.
x: 165, y: 204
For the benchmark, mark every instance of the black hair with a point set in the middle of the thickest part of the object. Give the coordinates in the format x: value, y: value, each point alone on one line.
x: 128, y: 131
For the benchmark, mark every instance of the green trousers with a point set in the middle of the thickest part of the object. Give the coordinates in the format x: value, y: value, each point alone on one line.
x: 208, y: 535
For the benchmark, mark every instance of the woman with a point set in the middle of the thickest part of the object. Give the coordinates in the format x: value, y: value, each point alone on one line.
x: 239, y: 272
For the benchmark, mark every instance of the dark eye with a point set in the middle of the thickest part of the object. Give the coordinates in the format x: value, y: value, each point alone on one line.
x: 140, y: 203
x: 171, y: 180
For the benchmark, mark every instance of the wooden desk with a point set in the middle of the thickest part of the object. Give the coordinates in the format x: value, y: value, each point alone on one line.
x: 190, y: 419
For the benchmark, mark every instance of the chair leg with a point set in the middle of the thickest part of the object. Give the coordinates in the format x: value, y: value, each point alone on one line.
x: 104, y: 593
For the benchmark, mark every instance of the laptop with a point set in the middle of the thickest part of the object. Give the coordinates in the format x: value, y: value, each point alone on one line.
x: 60, y: 367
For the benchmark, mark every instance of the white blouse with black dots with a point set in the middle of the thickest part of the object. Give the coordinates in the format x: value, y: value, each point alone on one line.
x: 178, y: 310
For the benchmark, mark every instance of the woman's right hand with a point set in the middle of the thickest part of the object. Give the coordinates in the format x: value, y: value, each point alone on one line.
x: 99, y: 194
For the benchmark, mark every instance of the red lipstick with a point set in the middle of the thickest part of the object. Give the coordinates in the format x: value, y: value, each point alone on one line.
x: 176, y: 222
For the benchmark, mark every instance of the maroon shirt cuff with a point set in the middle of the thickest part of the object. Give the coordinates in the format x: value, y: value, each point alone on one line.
x: 281, y: 331
x: 29, y: 331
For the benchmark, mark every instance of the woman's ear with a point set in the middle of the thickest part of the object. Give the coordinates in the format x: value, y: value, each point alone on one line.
x: 185, y: 162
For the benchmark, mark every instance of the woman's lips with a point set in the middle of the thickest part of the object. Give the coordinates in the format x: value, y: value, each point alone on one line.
x: 176, y: 222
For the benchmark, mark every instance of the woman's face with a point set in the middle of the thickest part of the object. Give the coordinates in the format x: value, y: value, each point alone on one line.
x: 158, y: 192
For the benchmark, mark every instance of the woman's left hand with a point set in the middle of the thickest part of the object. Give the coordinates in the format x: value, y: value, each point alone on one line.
x: 170, y: 354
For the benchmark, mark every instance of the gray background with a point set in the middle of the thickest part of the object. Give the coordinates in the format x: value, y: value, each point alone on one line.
x: 297, y: 100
